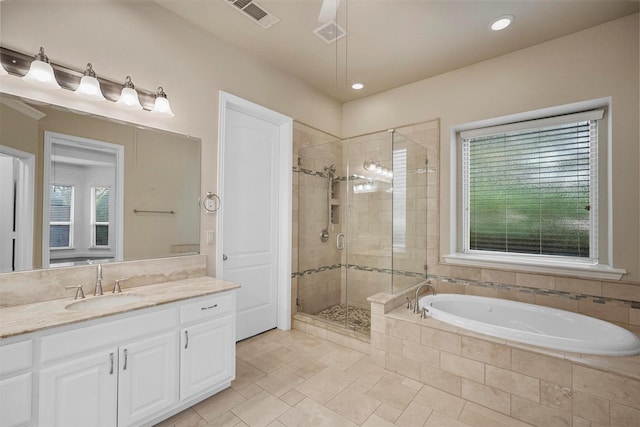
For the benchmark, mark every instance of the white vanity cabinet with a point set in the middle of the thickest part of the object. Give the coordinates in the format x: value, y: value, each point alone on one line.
x: 206, y: 359
x: 15, y: 383
x: 125, y: 371
x: 133, y: 368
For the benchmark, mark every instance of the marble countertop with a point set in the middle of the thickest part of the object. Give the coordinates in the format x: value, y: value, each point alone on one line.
x: 22, y: 319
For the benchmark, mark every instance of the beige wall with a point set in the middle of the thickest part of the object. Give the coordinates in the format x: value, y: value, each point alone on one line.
x: 595, y: 63
x: 155, y: 47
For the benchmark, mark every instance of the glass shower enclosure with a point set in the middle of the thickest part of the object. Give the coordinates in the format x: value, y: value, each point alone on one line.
x: 362, y: 221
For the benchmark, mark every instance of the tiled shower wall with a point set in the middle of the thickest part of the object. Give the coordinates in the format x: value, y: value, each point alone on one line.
x: 319, y: 272
x: 315, y: 265
x: 615, y: 301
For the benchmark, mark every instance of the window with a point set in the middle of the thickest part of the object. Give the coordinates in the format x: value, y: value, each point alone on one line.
x: 61, y: 217
x: 100, y: 216
x: 400, y: 200
x: 533, y: 193
x: 533, y: 190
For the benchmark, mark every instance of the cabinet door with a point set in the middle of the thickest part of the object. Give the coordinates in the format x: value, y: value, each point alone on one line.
x: 148, y: 378
x: 80, y: 392
x: 207, y: 356
x: 15, y: 400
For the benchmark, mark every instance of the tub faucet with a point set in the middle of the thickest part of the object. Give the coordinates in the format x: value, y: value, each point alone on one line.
x: 425, y: 284
x: 98, y: 290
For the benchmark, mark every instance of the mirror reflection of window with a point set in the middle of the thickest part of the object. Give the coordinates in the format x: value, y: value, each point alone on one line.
x: 61, y: 217
x: 100, y: 217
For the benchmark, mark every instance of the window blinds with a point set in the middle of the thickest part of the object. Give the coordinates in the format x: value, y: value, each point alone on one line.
x: 61, y: 216
x: 532, y: 190
x: 400, y: 199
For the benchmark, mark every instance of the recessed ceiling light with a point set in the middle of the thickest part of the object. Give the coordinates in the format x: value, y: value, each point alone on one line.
x: 501, y: 22
x: 357, y: 86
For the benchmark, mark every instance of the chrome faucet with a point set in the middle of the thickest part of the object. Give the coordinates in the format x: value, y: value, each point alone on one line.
x: 425, y: 284
x: 98, y: 290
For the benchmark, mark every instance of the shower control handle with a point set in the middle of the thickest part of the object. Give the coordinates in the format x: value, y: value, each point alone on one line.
x: 340, y: 241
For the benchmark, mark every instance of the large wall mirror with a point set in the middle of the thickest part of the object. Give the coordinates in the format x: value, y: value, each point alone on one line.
x: 77, y: 188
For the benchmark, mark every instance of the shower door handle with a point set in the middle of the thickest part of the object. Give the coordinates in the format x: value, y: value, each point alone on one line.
x: 340, y: 241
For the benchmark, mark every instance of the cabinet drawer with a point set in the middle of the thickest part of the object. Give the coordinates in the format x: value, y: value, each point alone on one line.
x: 207, y: 308
x: 15, y: 357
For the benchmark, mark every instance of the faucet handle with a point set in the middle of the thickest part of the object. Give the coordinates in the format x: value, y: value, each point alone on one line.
x: 116, y: 287
x: 79, y: 291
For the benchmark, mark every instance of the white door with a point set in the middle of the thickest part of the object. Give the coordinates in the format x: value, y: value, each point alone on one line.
x: 80, y: 392
x: 207, y: 358
x: 148, y: 381
x: 256, y: 210
x: 16, y: 209
x: 7, y: 232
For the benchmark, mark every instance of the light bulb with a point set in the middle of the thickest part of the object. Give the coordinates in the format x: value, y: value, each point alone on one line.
x: 89, y: 86
x: 129, y: 96
x: 41, y: 73
x: 162, y: 106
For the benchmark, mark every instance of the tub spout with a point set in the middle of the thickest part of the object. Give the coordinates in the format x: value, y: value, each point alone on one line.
x: 425, y: 284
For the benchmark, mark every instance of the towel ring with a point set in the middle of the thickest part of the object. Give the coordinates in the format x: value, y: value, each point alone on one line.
x: 211, y: 202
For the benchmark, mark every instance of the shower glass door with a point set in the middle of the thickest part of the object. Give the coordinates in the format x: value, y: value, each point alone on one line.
x: 367, y: 260
x: 361, y: 225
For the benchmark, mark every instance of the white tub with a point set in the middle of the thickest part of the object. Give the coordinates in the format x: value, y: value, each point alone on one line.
x: 532, y: 324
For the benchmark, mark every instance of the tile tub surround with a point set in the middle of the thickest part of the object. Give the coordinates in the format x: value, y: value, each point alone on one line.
x: 541, y: 387
x: 26, y: 287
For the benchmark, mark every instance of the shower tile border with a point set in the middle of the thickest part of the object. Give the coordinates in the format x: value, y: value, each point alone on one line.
x: 483, y: 284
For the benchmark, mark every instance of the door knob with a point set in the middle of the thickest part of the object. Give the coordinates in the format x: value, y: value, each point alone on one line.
x: 224, y: 257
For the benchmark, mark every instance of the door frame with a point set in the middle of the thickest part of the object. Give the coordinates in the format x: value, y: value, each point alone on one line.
x: 285, y: 150
x: 25, y: 197
x: 51, y: 138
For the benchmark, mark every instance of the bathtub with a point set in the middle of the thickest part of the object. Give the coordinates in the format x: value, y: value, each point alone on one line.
x: 532, y: 324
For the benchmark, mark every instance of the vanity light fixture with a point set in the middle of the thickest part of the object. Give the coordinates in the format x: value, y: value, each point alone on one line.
x: 85, y: 83
x: 89, y: 86
x: 162, y: 106
x: 129, y: 96
x: 41, y: 73
x: 501, y: 22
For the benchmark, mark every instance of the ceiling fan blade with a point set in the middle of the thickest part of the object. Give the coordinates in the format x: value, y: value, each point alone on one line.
x: 328, y: 10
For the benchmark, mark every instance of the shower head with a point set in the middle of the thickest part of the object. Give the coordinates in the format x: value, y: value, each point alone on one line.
x: 331, y: 169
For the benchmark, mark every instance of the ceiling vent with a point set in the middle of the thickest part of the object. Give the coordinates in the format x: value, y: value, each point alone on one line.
x: 256, y: 12
x: 330, y: 32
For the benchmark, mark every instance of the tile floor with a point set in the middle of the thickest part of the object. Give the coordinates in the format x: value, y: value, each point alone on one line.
x: 290, y: 378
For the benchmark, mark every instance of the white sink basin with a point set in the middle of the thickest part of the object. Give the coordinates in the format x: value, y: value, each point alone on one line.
x: 104, y: 302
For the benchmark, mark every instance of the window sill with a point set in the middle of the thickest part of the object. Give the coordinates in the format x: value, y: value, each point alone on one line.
x: 587, y: 271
